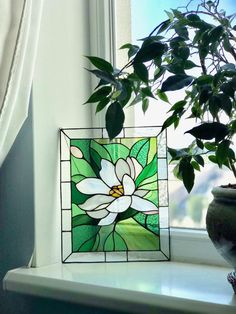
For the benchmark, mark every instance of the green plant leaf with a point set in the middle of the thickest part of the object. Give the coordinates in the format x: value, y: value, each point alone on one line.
x: 105, y: 76
x: 176, y: 82
x: 187, y: 173
x: 141, y: 71
x: 101, y: 64
x: 149, y: 52
x: 195, y: 165
x: 102, y: 104
x: 145, y: 104
x: 169, y: 121
x: 99, y: 95
x: 188, y: 65
x: 146, y: 91
x: 114, y: 119
x: 199, y: 143
x: 199, y: 160
x: 222, y: 152
x: 208, y: 131
x: 133, y: 49
x: 162, y: 96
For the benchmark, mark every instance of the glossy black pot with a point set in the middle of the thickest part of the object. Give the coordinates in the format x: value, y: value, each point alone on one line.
x: 221, y: 226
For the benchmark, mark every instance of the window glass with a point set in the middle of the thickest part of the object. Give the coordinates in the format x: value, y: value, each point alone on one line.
x: 135, y: 20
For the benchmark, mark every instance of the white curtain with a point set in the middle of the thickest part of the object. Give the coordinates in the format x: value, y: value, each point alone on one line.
x: 19, y: 31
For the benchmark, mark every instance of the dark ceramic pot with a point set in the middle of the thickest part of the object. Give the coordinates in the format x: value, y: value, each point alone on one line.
x: 221, y: 226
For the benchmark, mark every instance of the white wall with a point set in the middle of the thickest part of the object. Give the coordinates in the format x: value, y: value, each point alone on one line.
x: 60, y: 87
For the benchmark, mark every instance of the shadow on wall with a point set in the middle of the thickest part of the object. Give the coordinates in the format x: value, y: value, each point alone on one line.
x: 17, y: 229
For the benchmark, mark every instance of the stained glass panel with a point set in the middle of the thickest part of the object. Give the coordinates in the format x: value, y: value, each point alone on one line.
x: 114, y: 195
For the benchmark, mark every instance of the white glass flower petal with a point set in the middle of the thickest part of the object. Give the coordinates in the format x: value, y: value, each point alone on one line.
x: 142, y: 205
x: 131, y: 166
x: 138, y: 168
x: 121, y: 169
x: 92, y: 186
x: 128, y: 185
x: 152, y: 212
x: 107, y: 173
x: 108, y: 220
x: 120, y: 204
x: 98, y: 214
x: 96, y: 201
x: 141, y: 193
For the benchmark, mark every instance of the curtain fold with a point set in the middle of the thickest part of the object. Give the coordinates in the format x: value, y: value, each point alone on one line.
x: 19, y: 32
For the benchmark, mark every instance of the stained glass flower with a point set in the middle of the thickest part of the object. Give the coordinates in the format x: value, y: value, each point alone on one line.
x: 115, y: 191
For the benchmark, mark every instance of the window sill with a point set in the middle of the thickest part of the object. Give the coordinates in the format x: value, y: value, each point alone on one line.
x: 133, y: 287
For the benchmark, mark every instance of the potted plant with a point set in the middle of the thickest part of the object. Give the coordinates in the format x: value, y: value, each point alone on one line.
x: 201, y: 39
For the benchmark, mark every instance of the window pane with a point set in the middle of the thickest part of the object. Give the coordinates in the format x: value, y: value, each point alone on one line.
x: 136, y: 19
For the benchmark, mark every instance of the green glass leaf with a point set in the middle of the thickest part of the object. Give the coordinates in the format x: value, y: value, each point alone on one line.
x: 114, y: 119
x: 83, y: 219
x: 147, y: 171
x: 76, y: 210
x: 83, y: 237
x: 148, y: 186
x: 152, y: 148
x: 81, y: 167
x: 100, y: 63
x: 117, y: 151
x: 176, y: 82
x: 150, y: 180
x: 102, y: 152
x: 130, y: 212
x: 137, y: 147
x: 83, y: 145
x: 149, y: 222
x: 115, y: 242
x: 152, y: 196
x: 77, y: 178
x: 137, y: 237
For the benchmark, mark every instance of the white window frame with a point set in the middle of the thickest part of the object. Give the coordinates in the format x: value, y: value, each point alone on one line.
x: 187, y: 245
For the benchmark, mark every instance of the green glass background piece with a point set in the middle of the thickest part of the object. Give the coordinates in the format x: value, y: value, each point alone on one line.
x: 132, y: 231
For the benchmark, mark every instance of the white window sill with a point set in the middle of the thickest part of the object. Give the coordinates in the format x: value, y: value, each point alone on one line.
x: 133, y: 287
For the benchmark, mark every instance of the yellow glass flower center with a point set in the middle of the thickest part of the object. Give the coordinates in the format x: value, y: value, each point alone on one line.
x: 117, y: 191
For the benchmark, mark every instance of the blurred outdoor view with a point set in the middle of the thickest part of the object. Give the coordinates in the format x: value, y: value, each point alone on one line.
x: 135, y: 19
